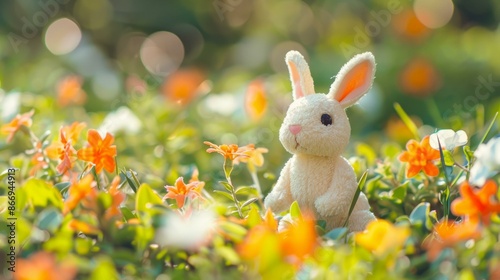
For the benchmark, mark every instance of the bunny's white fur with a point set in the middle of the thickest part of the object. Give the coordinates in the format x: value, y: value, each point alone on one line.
x: 317, y: 176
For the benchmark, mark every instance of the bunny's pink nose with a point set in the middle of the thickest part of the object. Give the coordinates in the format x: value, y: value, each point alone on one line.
x: 295, y: 128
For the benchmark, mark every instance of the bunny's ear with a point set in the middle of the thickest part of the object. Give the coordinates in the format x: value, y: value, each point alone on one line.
x: 302, y: 83
x: 353, y: 80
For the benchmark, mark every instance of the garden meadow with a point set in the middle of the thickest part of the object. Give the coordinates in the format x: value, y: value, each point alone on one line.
x: 140, y: 141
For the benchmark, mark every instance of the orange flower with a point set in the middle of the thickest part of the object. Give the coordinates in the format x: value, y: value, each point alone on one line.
x: 477, y: 205
x: 231, y: 151
x: 255, y: 100
x: 117, y: 196
x: 183, y: 86
x: 100, y: 151
x: 64, y: 151
x: 447, y: 234
x: 86, y: 228
x: 419, y: 157
x: 269, y: 220
x: 20, y: 120
x: 78, y: 191
x: 299, y: 240
x: 265, y: 247
x: 180, y: 191
x: 72, y: 132
x: 42, y: 266
x: 419, y: 78
x: 63, y: 148
x: 381, y: 237
x: 261, y: 248
x: 409, y: 26
x: 69, y: 91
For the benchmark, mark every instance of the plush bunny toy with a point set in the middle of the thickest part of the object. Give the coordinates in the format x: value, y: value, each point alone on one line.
x: 316, y: 131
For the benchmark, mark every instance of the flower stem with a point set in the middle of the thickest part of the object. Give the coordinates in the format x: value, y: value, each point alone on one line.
x: 256, y: 183
x: 228, y: 168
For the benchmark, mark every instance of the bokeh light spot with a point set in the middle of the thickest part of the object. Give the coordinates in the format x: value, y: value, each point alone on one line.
x: 62, y: 36
x: 162, y: 53
x: 433, y: 13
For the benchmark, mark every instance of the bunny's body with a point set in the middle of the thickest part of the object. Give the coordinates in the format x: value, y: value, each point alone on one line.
x: 316, y: 131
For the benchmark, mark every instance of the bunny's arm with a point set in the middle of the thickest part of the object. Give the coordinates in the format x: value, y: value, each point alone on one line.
x: 280, y: 197
x: 337, y: 199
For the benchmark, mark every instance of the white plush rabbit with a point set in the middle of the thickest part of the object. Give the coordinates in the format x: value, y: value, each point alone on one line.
x: 316, y: 131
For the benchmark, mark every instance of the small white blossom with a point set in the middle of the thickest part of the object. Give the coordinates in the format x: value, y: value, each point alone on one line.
x: 189, y: 231
x: 487, y: 162
x: 286, y: 223
x: 123, y: 119
x: 448, y: 139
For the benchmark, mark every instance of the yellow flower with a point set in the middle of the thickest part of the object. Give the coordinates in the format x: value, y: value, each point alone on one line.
x: 253, y: 156
x: 382, y: 237
x: 255, y: 100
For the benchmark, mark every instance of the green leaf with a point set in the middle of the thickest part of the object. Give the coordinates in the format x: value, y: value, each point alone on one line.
x: 407, y: 120
x: 44, y: 136
x: 295, y: 210
x: 251, y: 200
x: 399, y: 193
x: 5, y: 173
x: 246, y: 190
x: 145, y: 198
x: 469, y: 155
x: 234, y: 231
x: 321, y: 224
x: 488, y: 129
x: 130, y: 181
x: 62, y: 186
x: 361, y: 184
x: 127, y: 214
x: 253, y: 217
x: 443, y: 164
x: 226, y: 185
x: 40, y: 193
x: 420, y: 214
x: 83, y: 245
x: 224, y: 194
x: 337, y: 233
x: 49, y: 219
x: 105, y: 269
x: 448, y: 158
x: 228, y: 254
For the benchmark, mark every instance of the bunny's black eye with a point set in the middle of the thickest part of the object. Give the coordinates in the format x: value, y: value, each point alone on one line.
x: 326, y: 119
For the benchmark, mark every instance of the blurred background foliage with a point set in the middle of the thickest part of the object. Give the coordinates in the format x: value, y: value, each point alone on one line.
x: 176, y: 73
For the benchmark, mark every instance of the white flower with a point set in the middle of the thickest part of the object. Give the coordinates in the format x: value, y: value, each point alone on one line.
x: 487, y: 162
x: 121, y: 119
x: 286, y: 223
x: 448, y: 139
x: 189, y: 231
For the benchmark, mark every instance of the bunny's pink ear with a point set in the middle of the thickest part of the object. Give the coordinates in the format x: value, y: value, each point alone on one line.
x: 302, y: 82
x: 353, y: 80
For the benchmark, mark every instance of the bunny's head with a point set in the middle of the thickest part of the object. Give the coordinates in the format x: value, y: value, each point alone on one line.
x: 316, y: 123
